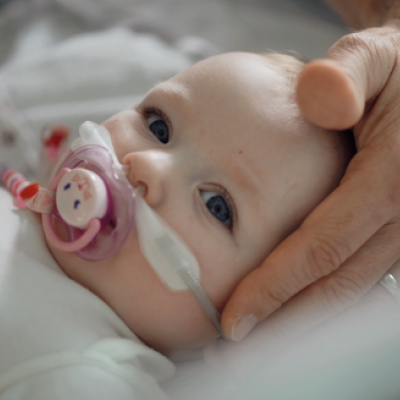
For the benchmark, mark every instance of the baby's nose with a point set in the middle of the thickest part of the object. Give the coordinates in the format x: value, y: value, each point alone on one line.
x: 150, y: 169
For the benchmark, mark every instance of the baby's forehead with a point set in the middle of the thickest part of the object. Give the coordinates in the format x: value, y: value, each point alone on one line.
x: 247, y: 99
x: 236, y: 74
x: 242, y: 87
x: 241, y: 103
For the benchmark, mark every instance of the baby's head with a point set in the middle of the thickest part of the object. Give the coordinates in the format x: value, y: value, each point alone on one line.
x: 231, y: 165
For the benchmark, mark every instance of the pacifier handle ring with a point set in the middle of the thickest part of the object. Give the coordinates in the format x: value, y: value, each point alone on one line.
x: 76, y: 245
x: 53, y: 185
x: 82, y: 241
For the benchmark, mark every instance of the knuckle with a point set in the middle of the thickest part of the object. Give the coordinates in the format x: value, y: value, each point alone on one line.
x: 352, y: 42
x: 376, y: 169
x: 392, y: 201
x: 272, y: 297
x: 371, y: 41
x: 324, y: 255
x: 386, y: 177
x: 262, y: 296
x: 341, y: 292
x: 392, y: 197
x: 373, y: 48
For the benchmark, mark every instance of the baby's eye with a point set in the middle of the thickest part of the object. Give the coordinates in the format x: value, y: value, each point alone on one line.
x: 218, y: 207
x: 159, y: 128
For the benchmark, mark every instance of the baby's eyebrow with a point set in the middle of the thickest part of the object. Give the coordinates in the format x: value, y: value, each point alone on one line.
x: 173, y: 90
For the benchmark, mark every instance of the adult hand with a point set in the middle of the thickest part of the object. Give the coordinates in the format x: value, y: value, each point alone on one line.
x: 351, y: 239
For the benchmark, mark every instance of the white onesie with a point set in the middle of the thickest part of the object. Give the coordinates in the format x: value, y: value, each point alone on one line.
x: 58, y: 340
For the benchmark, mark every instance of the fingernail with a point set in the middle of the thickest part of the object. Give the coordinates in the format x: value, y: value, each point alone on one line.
x: 242, y: 327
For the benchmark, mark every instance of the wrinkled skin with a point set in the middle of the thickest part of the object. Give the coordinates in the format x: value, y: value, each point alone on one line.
x: 351, y: 239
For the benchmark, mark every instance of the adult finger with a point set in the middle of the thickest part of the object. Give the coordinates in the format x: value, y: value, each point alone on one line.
x: 316, y: 304
x: 332, y: 92
x: 333, y: 232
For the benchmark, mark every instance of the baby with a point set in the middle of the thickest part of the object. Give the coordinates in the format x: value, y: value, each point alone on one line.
x: 227, y: 160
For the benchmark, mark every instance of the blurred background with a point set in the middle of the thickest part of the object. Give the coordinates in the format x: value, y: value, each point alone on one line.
x: 67, y: 61
x: 306, y: 26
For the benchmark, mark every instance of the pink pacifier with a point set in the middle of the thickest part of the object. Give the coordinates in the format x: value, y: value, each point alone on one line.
x: 91, y: 198
x: 93, y: 203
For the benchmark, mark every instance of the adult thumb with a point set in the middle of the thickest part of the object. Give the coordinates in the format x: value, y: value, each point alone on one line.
x: 332, y: 92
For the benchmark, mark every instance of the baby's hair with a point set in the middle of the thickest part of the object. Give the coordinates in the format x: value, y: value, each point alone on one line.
x: 291, y: 64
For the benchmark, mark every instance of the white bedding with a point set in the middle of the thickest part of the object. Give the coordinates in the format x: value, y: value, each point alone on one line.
x: 355, y: 355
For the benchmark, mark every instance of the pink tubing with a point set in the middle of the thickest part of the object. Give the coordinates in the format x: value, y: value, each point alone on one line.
x: 6, y: 174
x: 84, y: 240
x: 19, y: 202
x: 15, y: 184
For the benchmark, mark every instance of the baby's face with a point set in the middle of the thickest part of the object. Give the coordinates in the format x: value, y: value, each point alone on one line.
x: 232, y: 167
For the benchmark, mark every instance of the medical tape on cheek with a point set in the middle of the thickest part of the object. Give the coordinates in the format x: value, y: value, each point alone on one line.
x: 150, y: 227
x: 171, y: 259
x: 193, y: 284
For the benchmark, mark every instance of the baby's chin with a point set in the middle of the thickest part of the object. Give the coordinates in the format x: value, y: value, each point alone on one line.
x: 178, y: 338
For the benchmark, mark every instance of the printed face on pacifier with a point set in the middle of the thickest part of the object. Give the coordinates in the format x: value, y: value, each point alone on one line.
x: 81, y: 196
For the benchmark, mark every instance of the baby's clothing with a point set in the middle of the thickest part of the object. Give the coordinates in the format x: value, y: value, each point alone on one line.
x: 57, y: 339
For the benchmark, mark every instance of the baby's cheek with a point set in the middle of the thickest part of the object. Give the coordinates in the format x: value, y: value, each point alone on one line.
x: 230, y: 273
x: 219, y: 279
